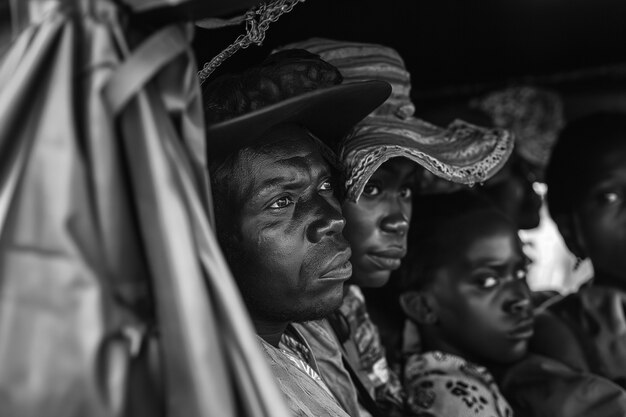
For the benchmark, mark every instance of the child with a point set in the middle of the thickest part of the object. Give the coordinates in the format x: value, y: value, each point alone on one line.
x: 586, y: 180
x: 471, y: 313
x: 467, y: 295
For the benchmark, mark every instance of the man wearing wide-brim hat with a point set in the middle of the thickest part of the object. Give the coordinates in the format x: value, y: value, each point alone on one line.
x: 270, y: 130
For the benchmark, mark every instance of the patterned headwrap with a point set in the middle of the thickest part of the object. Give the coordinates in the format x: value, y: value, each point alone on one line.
x: 534, y: 115
x: 461, y: 152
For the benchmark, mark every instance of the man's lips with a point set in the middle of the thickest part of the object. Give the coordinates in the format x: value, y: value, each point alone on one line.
x: 387, y: 259
x: 339, y: 268
x: 523, y: 331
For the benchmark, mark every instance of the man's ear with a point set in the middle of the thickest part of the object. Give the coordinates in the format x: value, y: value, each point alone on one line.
x: 570, y: 230
x: 419, y: 306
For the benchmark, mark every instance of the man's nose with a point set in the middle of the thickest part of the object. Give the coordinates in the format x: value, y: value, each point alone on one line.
x: 328, y: 221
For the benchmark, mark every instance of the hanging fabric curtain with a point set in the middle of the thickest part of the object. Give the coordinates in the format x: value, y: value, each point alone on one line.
x: 115, y: 299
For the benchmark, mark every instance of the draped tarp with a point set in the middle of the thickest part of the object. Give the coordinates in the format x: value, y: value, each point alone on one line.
x: 115, y: 299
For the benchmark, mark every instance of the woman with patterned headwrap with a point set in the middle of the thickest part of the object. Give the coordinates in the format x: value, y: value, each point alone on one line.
x: 382, y: 162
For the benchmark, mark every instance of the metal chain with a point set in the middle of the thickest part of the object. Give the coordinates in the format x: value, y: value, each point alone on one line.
x: 258, y: 20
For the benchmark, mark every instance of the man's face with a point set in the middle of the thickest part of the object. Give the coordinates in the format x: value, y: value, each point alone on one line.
x: 601, y: 216
x: 483, y: 301
x: 293, y: 258
x: 377, y: 225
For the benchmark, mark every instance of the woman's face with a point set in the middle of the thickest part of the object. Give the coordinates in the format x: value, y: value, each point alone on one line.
x: 377, y: 225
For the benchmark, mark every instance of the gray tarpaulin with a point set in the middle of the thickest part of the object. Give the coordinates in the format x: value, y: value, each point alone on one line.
x: 115, y: 298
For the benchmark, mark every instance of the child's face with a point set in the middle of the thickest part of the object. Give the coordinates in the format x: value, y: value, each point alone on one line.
x: 377, y: 225
x: 482, y: 299
x: 601, y: 217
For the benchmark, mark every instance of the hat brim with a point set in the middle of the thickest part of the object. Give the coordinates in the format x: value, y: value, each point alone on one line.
x: 329, y: 113
x: 461, y: 153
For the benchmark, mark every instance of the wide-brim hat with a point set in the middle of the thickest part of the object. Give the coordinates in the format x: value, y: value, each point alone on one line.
x: 461, y: 152
x: 329, y: 113
x: 287, y: 87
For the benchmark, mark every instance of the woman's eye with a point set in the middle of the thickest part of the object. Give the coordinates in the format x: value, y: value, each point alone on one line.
x: 327, y: 186
x: 406, y: 192
x: 488, y: 282
x: 520, y: 274
x: 371, y: 190
x: 281, y: 203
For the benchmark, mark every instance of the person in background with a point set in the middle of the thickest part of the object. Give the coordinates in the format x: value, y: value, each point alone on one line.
x: 383, y: 159
x: 277, y: 217
x: 535, y: 116
x: 471, y: 320
x: 586, y: 180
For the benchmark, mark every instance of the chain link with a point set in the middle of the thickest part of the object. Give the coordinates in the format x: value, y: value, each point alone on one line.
x: 258, y: 20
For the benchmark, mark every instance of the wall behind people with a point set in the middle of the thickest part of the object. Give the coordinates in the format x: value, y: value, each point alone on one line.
x: 454, y: 43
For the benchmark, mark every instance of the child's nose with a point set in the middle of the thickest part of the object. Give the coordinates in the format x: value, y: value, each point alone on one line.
x: 519, y: 300
x: 519, y: 307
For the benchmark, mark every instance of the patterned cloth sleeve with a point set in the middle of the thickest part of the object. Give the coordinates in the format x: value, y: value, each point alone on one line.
x: 383, y: 383
x: 440, y: 385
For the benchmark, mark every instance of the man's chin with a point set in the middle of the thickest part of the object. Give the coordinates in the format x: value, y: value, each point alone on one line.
x: 318, y: 310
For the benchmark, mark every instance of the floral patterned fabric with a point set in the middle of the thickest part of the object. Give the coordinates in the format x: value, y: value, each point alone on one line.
x: 441, y: 384
x: 369, y: 354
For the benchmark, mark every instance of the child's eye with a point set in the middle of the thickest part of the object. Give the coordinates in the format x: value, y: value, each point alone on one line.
x: 488, y: 282
x: 327, y: 186
x: 281, y: 203
x: 371, y: 190
x: 406, y: 192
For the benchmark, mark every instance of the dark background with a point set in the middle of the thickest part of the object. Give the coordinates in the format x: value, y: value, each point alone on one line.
x: 458, y: 48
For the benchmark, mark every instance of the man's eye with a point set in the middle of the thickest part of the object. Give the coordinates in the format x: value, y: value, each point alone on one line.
x: 488, y: 282
x: 281, y: 203
x: 371, y: 190
x: 521, y: 273
x: 327, y: 186
x: 406, y: 192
